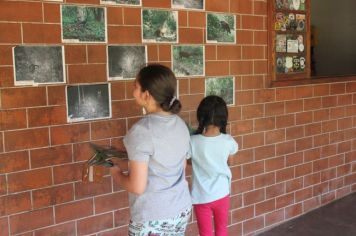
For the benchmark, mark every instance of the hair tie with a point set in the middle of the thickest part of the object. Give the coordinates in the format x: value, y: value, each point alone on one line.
x: 172, y: 101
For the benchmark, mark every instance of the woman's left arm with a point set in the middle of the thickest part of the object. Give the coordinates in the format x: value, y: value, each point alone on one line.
x: 136, y: 180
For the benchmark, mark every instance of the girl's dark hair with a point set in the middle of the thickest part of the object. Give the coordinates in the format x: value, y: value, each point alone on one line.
x: 212, y: 110
x: 161, y: 83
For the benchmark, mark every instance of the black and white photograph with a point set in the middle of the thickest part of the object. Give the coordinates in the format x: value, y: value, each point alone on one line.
x: 188, y: 60
x: 38, y: 65
x: 88, y: 102
x: 122, y: 2
x: 188, y: 4
x: 222, y: 87
x: 221, y: 28
x: 83, y: 24
x: 124, y: 62
x: 159, y: 26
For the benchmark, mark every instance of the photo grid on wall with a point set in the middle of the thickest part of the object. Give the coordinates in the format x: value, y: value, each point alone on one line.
x: 84, y: 24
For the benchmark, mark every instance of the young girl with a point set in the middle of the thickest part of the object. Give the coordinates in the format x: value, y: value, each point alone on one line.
x: 157, y: 147
x: 211, y: 148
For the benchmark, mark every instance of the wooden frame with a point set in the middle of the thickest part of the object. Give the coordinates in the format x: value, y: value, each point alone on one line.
x: 272, y: 32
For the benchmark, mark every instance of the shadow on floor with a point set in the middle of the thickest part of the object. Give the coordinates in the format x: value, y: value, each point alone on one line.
x: 335, y: 219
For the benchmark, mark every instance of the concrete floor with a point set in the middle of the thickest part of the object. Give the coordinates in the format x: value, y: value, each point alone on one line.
x: 335, y: 219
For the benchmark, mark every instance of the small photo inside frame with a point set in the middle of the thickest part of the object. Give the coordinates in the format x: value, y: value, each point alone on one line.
x: 122, y: 2
x: 188, y: 60
x: 124, y: 62
x: 189, y: 4
x: 35, y: 65
x: 159, y: 26
x: 221, y: 86
x: 221, y: 28
x: 88, y: 102
x: 83, y: 24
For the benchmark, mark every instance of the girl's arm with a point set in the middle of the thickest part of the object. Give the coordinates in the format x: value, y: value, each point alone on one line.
x: 230, y: 160
x: 136, y: 180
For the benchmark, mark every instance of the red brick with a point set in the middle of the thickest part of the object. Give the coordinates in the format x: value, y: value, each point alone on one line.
x: 253, y: 225
x: 343, y: 100
x: 29, y: 180
x: 311, y: 179
x: 294, y: 106
x: 217, y: 5
x: 312, y: 154
x: 253, y: 140
x: 110, y: 202
x: 337, y: 88
x: 252, y: 82
x: 242, y: 214
x: 303, y: 194
x: 320, y: 165
x: 260, y: 8
x: 4, y: 226
x: 241, y: 6
x: 124, y: 34
x: 107, y: 129
x: 285, y: 174
x: 196, y: 19
x: 52, y: 196
x: 285, y: 148
x: 264, y: 95
x: 304, y: 144
x: 31, y: 220
x: 23, y: 139
x: 3, y: 185
x: 260, y: 67
x: 132, y: 16
x: 252, y: 111
x: 14, y: 161
x: 287, y: 93
x: 96, y: 53
x: 245, y: 37
x: 274, y: 164
x: 7, y: 76
x: 75, y: 54
x: 320, y: 189
x: 67, y: 173
x: 304, y: 92
x: 119, y: 231
x: 351, y: 87
x: 51, y: 156
x: 304, y: 118
x: 312, y: 104
x: 12, y: 119
x: 41, y: 33
x: 241, y: 67
x: 56, y: 95
x: 242, y: 185
x: 115, y: 15
x: 244, y: 156
x: 58, y: 230
x: 252, y: 22
x: 276, y: 108
x: 294, y: 132
x: 51, y: 13
x: 25, y: 97
x: 82, y: 151
x: 303, y: 169
x: 293, y: 211
x: 264, y: 180
x: 191, y: 36
x: 15, y: 203
x: 164, y: 53
x: 152, y: 53
x: 69, y: 133
x: 264, y: 124
x: 264, y: 207
x: 74, y: 210
x: 321, y: 140
x: 294, y: 159
x: 85, y: 190
x: 253, y: 52
x: 94, y: 224
x: 265, y: 152
x: 6, y: 55
x: 182, y: 19
x: 156, y: 3
x: 244, y: 97
x: 285, y: 121
x: 10, y: 33
x: 321, y: 90
x: 330, y: 101
x: 228, y: 52
x: 241, y: 127
x: 274, y: 217
x: 311, y: 204
x: 87, y: 73
x: 253, y: 169
x: 121, y: 217
x: 20, y: 11
x: 45, y: 116
x: 127, y: 108
x: 275, y: 190
x: 284, y: 200
x: 294, y: 184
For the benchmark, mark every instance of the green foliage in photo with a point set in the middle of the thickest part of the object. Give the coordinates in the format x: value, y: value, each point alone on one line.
x: 222, y: 87
x: 85, y: 24
x: 124, y: 2
x: 221, y: 28
x: 159, y: 25
x: 188, y: 60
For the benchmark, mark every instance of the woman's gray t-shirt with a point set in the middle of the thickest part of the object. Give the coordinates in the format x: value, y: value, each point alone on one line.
x: 162, y: 142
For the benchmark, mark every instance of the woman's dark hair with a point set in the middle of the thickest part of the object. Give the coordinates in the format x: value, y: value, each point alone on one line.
x: 161, y: 83
x: 212, y: 110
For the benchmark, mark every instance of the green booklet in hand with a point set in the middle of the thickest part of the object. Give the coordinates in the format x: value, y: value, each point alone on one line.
x: 103, y: 155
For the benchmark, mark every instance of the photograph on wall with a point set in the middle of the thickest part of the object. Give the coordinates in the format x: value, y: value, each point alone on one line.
x: 83, y: 24
x: 188, y: 4
x: 124, y: 62
x: 221, y: 28
x: 88, y: 102
x: 122, y: 2
x: 188, y: 60
x: 222, y: 87
x: 297, y: 5
x: 290, y: 64
x: 159, y: 26
x: 281, y: 43
x: 38, y: 65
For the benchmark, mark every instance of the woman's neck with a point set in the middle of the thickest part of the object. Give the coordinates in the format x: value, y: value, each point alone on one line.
x: 211, y: 131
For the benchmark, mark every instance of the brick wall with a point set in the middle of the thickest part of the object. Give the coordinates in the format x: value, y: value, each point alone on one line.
x: 298, y: 144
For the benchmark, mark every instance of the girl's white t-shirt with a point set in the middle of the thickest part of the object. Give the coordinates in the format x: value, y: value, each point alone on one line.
x: 211, y: 173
